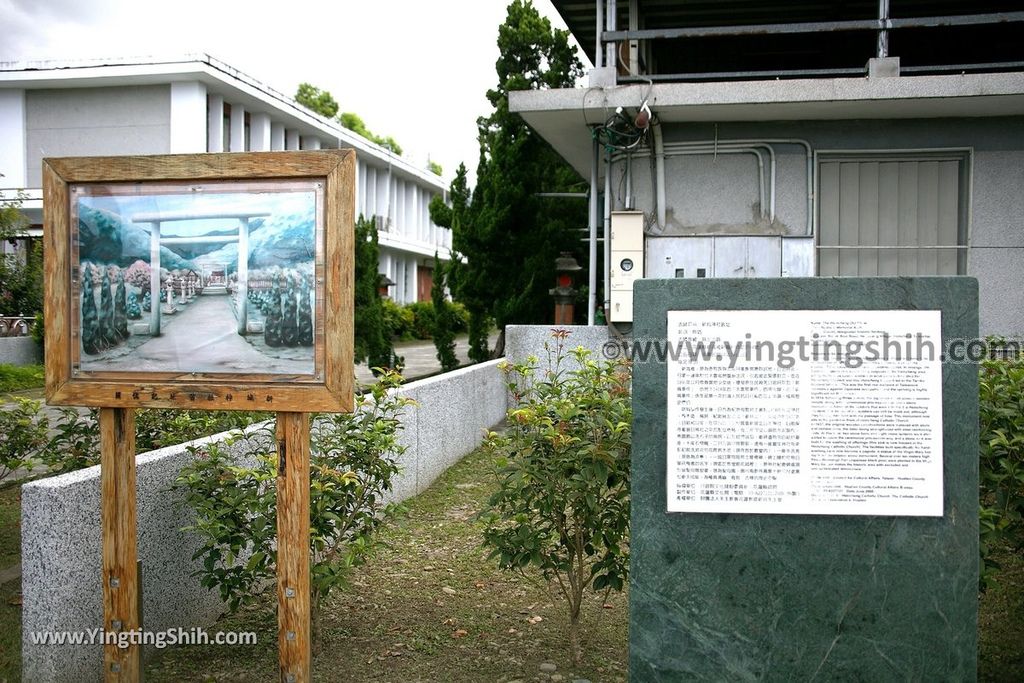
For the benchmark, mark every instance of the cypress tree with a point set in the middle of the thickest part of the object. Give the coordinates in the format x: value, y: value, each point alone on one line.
x: 444, y: 323
x: 272, y: 327
x: 289, y: 314
x: 305, y: 314
x: 120, y: 310
x: 372, y: 344
x: 90, y: 321
x: 108, y: 337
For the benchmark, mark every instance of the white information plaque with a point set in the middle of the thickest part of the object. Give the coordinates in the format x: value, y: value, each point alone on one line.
x: 805, y: 412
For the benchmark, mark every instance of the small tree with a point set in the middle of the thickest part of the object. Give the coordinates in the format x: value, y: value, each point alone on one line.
x: 1001, y: 408
x: 353, y: 461
x: 562, y: 504
x: 444, y: 319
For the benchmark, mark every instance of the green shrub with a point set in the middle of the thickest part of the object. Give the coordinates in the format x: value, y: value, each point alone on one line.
x: 423, y: 319
x: 18, y: 377
x: 156, y: 428
x: 75, y: 442
x: 1001, y: 466
x: 562, y: 504
x: 353, y: 461
x: 398, y: 320
x: 22, y: 436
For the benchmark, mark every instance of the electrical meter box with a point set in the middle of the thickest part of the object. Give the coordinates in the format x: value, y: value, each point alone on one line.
x: 626, y: 263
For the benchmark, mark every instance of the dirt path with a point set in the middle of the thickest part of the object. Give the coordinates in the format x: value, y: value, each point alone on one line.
x: 200, y: 338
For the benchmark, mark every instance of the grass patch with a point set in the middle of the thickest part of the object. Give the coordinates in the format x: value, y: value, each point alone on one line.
x: 10, y: 526
x: 10, y: 592
x: 19, y: 377
x: 428, y: 606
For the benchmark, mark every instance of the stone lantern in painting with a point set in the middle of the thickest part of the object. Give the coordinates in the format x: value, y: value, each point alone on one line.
x: 565, y: 290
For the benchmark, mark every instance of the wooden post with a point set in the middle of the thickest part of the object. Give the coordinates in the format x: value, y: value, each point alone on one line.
x: 117, y: 519
x: 293, y: 608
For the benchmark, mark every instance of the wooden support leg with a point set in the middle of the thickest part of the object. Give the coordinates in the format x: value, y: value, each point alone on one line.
x: 120, y: 571
x: 293, y: 608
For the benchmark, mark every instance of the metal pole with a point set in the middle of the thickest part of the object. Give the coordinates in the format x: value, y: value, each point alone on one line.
x: 607, y: 231
x: 592, y: 256
x: 599, y: 46
x: 883, y: 33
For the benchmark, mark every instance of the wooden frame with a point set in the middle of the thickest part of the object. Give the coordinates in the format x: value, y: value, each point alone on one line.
x: 327, y: 386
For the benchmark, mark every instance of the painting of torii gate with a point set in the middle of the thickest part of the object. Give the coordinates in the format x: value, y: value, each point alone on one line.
x: 185, y: 280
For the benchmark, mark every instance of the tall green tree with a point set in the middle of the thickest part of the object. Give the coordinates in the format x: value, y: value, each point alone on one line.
x: 444, y: 319
x: 21, y: 280
x: 315, y: 99
x: 372, y: 342
x: 323, y: 103
x: 509, y: 236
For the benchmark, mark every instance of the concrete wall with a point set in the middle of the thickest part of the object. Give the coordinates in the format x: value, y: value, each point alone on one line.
x: 19, y: 351
x: 712, y: 193
x: 12, y: 133
x: 61, y: 537
x: 522, y: 341
x: 95, y: 121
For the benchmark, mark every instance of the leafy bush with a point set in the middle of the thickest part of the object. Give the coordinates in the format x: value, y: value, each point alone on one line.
x: 398, y: 320
x: 423, y: 319
x: 18, y: 377
x: 1001, y: 466
x: 156, y: 428
x: 562, y: 504
x: 75, y: 442
x: 22, y: 436
x: 353, y: 461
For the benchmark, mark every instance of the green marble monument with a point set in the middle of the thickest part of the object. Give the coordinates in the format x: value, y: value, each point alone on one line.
x: 804, y: 597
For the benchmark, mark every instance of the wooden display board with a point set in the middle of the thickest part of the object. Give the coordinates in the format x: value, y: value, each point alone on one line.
x: 201, y: 282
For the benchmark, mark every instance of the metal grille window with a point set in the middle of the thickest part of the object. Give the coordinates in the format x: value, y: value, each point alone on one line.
x: 892, y: 214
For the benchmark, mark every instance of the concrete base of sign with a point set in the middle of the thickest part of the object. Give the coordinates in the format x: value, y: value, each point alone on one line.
x: 793, y: 597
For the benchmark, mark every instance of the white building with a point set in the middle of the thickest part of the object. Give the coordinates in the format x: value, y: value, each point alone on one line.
x: 196, y: 103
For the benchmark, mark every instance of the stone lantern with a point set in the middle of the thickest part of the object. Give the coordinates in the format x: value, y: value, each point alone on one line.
x: 564, y: 291
x: 383, y: 284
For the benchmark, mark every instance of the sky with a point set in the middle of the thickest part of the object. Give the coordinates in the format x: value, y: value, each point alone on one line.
x: 417, y: 71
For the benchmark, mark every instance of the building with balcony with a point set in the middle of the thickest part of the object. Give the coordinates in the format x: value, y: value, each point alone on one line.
x: 773, y: 139
x: 193, y: 104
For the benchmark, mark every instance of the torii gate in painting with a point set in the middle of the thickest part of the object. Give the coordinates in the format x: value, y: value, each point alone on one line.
x: 155, y: 241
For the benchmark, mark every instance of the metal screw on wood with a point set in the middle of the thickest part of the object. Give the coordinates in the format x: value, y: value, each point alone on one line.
x: 289, y: 592
x: 115, y: 582
x: 115, y: 667
x: 116, y: 624
x: 290, y: 635
x: 290, y: 678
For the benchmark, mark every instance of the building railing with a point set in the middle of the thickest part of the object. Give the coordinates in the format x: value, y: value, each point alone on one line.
x: 612, y: 39
x: 15, y: 325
